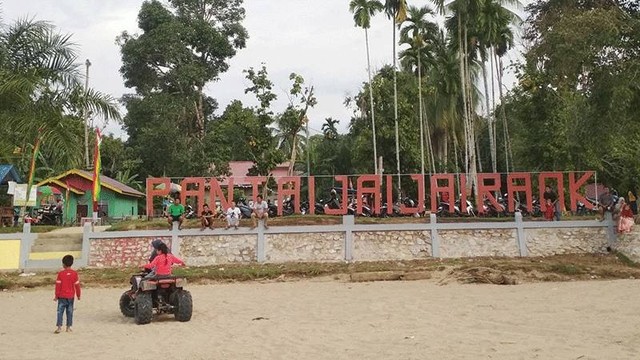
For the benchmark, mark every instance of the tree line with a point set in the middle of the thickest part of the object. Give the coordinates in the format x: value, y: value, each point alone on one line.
x: 442, y: 106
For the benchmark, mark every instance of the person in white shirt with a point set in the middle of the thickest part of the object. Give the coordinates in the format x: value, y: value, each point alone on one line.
x: 260, y: 211
x: 233, y: 216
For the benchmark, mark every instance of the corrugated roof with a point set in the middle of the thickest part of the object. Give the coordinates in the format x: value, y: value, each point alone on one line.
x: 125, y: 189
x: 9, y: 173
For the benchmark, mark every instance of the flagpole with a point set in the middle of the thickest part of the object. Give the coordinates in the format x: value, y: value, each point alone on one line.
x: 32, y: 170
x: 97, y: 164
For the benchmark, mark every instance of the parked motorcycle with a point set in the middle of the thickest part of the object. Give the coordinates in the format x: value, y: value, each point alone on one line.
x: 189, y: 212
x: 245, y: 208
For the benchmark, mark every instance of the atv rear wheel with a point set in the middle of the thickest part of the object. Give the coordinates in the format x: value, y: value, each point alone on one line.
x: 127, y: 304
x: 143, y: 308
x: 184, y: 305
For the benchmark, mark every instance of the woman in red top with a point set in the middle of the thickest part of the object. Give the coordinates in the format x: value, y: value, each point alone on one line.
x: 163, y: 262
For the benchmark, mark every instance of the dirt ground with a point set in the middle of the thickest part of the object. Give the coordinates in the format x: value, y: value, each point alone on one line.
x: 328, y: 319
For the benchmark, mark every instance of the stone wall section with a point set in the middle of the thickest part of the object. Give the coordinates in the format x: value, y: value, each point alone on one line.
x: 545, y: 242
x: 214, y: 249
x: 629, y: 244
x: 122, y: 252
x: 391, y: 245
x: 323, y: 247
x: 478, y: 243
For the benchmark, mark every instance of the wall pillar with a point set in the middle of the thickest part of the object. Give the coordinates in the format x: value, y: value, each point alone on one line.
x: 435, y: 239
x: 348, y: 221
x: 520, y: 236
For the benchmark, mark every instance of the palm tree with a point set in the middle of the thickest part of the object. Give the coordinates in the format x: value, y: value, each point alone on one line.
x: 396, y: 10
x: 41, y: 92
x: 363, y: 11
x: 329, y: 129
x: 462, y: 14
x: 492, y: 30
x: 418, y: 32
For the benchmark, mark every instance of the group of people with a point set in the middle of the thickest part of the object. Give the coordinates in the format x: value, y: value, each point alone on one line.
x: 259, y: 211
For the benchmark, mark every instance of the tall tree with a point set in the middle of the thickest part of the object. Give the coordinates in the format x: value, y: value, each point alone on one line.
x: 419, y: 32
x: 184, y: 44
x: 363, y: 11
x: 492, y: 29
x: 396, y: 10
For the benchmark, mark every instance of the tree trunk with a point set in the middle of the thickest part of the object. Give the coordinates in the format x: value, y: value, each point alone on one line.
x: 199, y: 107
x: 470, y: 119
x: 420, y: 117
x: 494, y: 117
x: 492, y: 140
x: 505, y: 125
x: 464, y: 104
x: 373, y: 112
x: 395, y: 105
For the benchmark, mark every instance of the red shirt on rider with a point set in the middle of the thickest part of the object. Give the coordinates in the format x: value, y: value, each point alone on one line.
x: 163, y: 262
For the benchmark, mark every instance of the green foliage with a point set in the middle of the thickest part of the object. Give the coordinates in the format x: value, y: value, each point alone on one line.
x: 41, y: 94
x: 360, y: 126
x: 575, y: 105
x: 184, y: 44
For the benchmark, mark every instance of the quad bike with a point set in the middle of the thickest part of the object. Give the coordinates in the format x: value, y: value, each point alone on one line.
x: 161, y: 294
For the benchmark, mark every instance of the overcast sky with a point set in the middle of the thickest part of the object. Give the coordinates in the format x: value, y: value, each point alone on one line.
x: 316, y: 39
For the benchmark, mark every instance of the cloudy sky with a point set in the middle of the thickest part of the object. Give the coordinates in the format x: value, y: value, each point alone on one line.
x: 316, y: 39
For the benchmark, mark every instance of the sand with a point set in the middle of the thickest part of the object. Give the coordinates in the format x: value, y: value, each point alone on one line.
x: 338, y: 320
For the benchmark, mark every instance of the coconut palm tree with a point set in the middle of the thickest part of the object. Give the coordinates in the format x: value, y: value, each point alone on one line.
x: 418, y: 33
x: 41, y: 92
x: 363, y: 11
x: 396, y: 10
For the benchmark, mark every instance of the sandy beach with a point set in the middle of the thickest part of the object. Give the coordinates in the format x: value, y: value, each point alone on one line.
x: 338, y: 320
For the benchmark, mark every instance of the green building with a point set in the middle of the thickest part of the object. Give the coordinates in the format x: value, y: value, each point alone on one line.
x: 117, y: 200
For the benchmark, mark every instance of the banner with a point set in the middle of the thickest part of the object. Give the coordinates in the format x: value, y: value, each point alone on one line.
x: 20, y: 195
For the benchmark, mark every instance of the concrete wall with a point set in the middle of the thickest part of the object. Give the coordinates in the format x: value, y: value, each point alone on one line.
x: 333, y: 243
x: 629, y: 244
x: 204, y: 250
x: 391, y: 245
x: 122, y: 251
x: 356, y: 242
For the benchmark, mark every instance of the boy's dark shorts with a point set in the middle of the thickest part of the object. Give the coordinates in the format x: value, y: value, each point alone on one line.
x: 175, y: 218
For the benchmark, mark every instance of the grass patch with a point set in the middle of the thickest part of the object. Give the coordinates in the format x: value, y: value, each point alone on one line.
x: 566, y: 269
x: 520, y: 270
x: 625, y: 259
x: 34, y: 229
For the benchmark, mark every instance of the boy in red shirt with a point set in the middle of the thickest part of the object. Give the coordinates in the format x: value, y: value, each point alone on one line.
x: 67, y: 287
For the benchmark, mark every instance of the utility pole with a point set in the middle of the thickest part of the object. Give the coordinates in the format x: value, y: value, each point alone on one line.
x: 86, y: 117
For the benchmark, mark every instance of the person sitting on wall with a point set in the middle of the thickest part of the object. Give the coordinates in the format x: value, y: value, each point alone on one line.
x: 260, y: 211
x: 605, y: 202
x: 206, y: 218
x: 175, y: 214
x: 233, y: 216
x: 625, y: 220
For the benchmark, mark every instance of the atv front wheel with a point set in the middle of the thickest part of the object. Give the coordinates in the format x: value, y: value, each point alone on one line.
x: 127, y: 305
x: 184, y: 305
x: 143, y: 308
